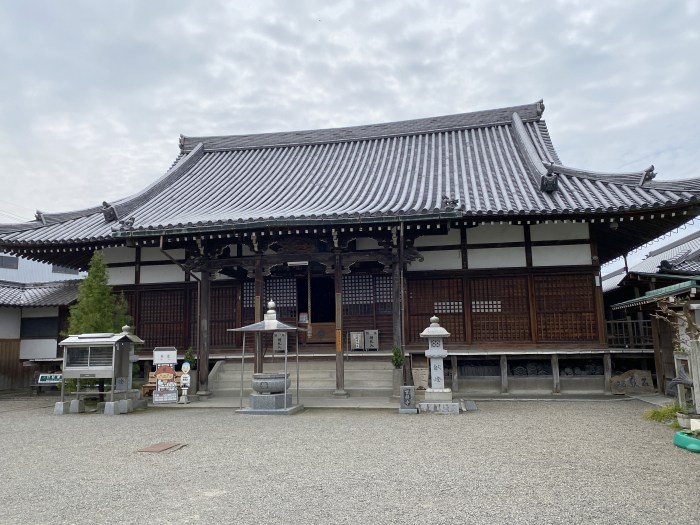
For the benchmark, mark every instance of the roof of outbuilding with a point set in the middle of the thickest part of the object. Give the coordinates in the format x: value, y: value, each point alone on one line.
x: 57, y: 293
x: 490, y: 162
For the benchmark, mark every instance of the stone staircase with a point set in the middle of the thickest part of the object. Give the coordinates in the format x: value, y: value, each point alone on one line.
x: 316, y: 377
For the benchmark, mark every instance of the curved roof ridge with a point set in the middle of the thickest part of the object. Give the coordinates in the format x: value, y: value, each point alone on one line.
x: 529, y: 113
x: 182, y: 165
x: 635, y: 178
x: 532, y: 160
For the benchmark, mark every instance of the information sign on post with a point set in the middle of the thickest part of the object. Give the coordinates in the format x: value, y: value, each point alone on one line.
x: 279, y: 342
x: 164, y: 355
x: 371, y: 339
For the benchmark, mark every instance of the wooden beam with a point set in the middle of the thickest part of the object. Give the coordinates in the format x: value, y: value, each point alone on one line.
x: 504, y: 374
x: 607, y: 371
x: 203, y: 347
x: 339, y: 361
x: 658, y: 356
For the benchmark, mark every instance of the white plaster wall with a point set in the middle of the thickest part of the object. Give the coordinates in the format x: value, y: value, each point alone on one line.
x: 38, y: 348
x: 9, y: 322
x: 366, y: 243
x: 452, y: 238
x: 495, y: 233
x: 560, y: 231
x: 496, y: 258
x: 566, y: 255
x: 46, y: 311
x: 245, y: 250
x: 170, y: 273
x: 121, y: 275
x: 119, y: 254
x: 154, y: 254
x: 438, y: 260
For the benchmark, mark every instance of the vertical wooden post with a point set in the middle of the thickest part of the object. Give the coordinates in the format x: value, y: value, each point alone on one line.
x: 203, y: 347
x: 504, y: 374
x: 658, y: 357
x: 455, y: 374
x: 556, y: 383
x: 396, y: 298
x: 259, y: 287
x: 607, y: 371
x: 339, y: 362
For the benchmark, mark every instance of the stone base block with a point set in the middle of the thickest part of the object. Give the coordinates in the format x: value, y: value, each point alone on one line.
x: 112, y: 408
x: 408, y: 410
x: 437, y: 395
x: 695, y: 424
x: 439, y: 408
x: 269, y: 401
x: 126, y: 406
x: 272, y: 411
x: 61, y: 407
x: 77, y: 406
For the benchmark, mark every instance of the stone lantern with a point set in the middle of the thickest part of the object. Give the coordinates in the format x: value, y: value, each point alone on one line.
x: 437, y: 397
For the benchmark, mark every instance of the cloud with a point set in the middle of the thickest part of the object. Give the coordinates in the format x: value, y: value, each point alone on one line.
x: 95, y: 95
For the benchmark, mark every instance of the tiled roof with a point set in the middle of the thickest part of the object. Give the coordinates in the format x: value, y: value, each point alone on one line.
x: 680, y: 256
x: 492, y: 162
x: 611, y: 280
x: 58, y: 293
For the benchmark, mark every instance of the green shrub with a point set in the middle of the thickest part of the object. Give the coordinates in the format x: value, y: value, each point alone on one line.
x: 664, y: 414
x: 397, y: 357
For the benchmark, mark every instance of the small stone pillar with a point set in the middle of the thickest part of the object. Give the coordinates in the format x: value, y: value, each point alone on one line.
x: 437, y: 397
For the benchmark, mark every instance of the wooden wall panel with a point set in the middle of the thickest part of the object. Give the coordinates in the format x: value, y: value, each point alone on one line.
x: 441, y: 297
x: 12, y: 373
x: 565, y: 308
x: 500, y: 309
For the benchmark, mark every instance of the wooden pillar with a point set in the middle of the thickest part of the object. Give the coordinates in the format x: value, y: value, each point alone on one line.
x: 259, y: 288
x: 658, y: 356
x: 607, y: 371
x: 504, y: 374
x: 203, y: 346
x: 339, y: 362
x: 556, y: 383
x: 455, y: 374
x: 396, y: 298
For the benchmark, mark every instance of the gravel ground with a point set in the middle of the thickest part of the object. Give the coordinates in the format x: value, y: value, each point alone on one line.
x: 509, y: 462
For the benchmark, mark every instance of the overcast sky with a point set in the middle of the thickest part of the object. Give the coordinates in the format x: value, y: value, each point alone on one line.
x: 94, y: 95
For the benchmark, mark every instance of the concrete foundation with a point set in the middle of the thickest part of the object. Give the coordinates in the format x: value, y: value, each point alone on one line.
x: 61, y: 407
x: 269, y: 401
x: 125, y: 406
x: 112, y: 408
x: 438, y: 395
x: 439, y: 408
x: 77, y: 406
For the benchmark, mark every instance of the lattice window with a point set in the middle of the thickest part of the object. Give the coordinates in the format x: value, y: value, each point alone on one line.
x: 283, y: 291
x: 500, y: 309
x: 222, y: 315
x: 161, y: 317
x: 565, y: 308
x: 423, y: 298
x: 358, y: 295
x: 384, y: 294
x: 248, y: 312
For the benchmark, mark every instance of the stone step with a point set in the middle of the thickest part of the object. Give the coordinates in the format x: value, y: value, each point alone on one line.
x: 309, y: 392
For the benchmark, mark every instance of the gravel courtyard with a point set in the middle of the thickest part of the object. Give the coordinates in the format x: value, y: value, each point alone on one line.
x: 509, y: 462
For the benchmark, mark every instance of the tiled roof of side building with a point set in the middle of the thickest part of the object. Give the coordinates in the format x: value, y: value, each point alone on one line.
x: 57, y: 293
x: 679, y: 256
x: 493, y: 163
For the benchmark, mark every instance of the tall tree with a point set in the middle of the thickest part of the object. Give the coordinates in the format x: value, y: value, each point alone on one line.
x: 97, y: 309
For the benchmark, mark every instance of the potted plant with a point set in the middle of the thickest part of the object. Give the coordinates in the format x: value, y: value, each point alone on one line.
x: 688, y: 439
x: 397, y: 359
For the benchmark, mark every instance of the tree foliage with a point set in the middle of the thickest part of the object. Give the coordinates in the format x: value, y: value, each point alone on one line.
x: 97, y: 309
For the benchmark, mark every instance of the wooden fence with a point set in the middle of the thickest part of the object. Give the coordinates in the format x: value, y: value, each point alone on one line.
x: 629, y: 334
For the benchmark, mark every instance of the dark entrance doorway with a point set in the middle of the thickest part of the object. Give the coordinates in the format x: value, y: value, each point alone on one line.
x: 316, y: 301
